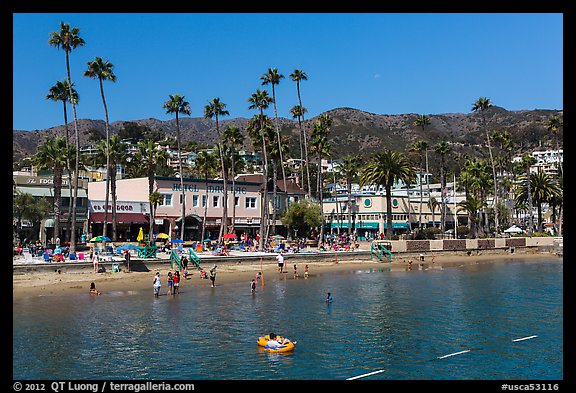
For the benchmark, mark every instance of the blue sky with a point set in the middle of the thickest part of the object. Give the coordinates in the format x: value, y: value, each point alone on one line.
x: 382, y: 63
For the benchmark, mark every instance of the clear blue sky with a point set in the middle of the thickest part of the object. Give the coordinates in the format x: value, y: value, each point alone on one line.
x: 428, y: 63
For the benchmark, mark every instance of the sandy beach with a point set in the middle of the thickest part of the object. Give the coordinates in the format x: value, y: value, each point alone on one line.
x: 53, y: 283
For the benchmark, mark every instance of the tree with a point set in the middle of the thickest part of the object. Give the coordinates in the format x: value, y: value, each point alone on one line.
x: 233, y: 136
x: 176, y: 104
x: 481, y: 105
x: 543, y: 189
x: 302, y: 216
x: 205, y: 164
x: 273, y: 77
x: 150, y: 158
x: 472, y: 206
x: 69, y: 39
x: 54, y: 155
x: 349, y: 168
x: 421, y: 148
x: 554, y: 125
x: 442, y: 149
x: 117, y: 154
x: 433, y: 205
x: 298, y: 76
x: 383, y: 169
x: 320, y: 146
x: 298, y: 112
x: 104, y: 70
x: 215, y: 109
x: 422, y: 121
x: 61, y: 92
x: 261, y: 100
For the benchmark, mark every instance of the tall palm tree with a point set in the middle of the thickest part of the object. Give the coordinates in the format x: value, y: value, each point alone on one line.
x: 320, y: 146
x: 433, y: 205
x: 176, y: 104
x: 104, y: 70
x: 205, y: 164
x: 68, y: 39
x: 61, y: 92
x: 54, y: 155
x: 261, y: 100
x: 349, y: 168
x: 150, y: 158
x: 215, y: 109
x: 298, y: 111
x: 233, y: 137
x: 528, y: 161
x: 117, y: 155
x: 383, y: 169
x: 421, y: 148
x: 442, y: 149
x: 275, y: 159
x: 273, y: 77
x: 472, y: 206
x: 481, y: 105
x: 422, y: 121
x: 298, y: 76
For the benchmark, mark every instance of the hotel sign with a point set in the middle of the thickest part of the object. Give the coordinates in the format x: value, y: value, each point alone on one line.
x: 121, y: 207
x: 209, y: 189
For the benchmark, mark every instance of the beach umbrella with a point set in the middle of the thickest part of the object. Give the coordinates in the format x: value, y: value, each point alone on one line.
x: 229, y: 236
x: 97, y: 239
x: 177, y: 241
x: 161, y: 236
x: 126, y: 247
x: 514, y: 229
x: 207, y: 240
x: 140, y: 236
x: 278, y: 237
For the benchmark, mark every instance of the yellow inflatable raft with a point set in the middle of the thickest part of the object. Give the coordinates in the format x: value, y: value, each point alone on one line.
x: 287, y: 347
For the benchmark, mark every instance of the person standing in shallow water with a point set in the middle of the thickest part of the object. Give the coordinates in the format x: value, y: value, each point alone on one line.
x: 157, y: 284
x: 213, y: 275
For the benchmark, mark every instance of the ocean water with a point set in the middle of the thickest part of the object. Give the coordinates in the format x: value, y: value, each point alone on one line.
x: 454, y: 324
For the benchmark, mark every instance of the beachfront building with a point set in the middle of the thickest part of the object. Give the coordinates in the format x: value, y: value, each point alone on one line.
x: 133, y: 209
x: 369, y: 217
x: 42, y: 186
x: 547, y: 161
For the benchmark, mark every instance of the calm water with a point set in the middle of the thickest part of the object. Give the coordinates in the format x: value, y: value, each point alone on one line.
x: 400, y: 322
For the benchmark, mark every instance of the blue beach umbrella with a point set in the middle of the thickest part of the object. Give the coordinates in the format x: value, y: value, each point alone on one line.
x: 177, y: 241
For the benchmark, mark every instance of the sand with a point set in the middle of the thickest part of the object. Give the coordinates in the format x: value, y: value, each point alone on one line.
x: 42, y: 283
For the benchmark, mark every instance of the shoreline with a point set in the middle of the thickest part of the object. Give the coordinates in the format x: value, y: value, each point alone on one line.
x: 41, y: 283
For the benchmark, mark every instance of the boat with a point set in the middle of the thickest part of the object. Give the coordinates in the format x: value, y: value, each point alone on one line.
x: 262, y: 341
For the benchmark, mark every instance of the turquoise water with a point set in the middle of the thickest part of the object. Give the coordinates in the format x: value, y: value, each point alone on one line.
x: 399, y: 322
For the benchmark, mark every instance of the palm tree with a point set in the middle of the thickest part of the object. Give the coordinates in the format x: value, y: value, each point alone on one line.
x: 320, y: 146
x: 176, y: 104
x: 117, y: 154
x: 433, y: 205
x: 442, y: 149
x: 275, y: 158
x: 298, y: 111
x: 215, y: 109
x: 61, y: 92
x: 482, y: 104
x: 528, y: 161
x: 273, y: 77
x: 543, y: 189
x: 422, y: 121
x: 298, y: 76
x: 383, y: 169
x: 349, y: 168
x: 54, y: 155
x: 205, y: 164
x: 421, y: 148
x: 472, y: 205
x: 233, y: 137
x: 150, y: 158
x: 104, y: 70
x: 553, y: 125
x: 261, y: 100
x: 69, y: 40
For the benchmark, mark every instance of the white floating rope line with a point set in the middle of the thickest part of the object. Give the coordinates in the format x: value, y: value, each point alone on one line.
x: 453, y: 354
x: 364, y: 375
x: 524, y: 338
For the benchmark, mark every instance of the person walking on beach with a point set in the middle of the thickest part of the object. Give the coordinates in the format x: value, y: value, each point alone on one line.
x: 157, y: 284
x: 213, y: 275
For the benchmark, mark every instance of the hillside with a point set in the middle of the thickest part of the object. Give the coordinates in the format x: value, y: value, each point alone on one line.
x: 353, y: 131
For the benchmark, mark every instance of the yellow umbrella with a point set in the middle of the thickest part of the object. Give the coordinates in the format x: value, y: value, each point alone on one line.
x: 162, y: 236
x: 140, y: 236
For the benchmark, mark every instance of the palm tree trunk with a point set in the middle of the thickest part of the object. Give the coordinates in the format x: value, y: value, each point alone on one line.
x: 205, y: 210
x: 305, y: 142
x: 57, y: 199
x: 232, y: 225
x: 319, y: 191
x: 264, y: 217
x: 183, y: 214
x: 274, y: 194
x: 301, y: 153
x: 69, y: 170
x: 279, y: 146
x: 114, y: 197
x: 349, y: 189
x: 108, y: 172
x: 150, y: 191
x: 530, y: 203
x: 388, y: 211
x: 76, y: 164
x: 421, y: 196
x: 224, y: 223
x: 496, y: 221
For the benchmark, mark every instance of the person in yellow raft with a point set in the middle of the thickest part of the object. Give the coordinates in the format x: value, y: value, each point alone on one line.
x: 276, y: 342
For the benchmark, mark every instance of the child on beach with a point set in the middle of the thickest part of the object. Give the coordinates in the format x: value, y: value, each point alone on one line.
x: 176, y: 282
x: 93, y: 290
x: 213, y: 275
x: 306, y: 271
x: 295, y: 271
x: 170, y: 282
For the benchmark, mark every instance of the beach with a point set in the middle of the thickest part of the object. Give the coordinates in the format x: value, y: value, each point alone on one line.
x: 37, y: 283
